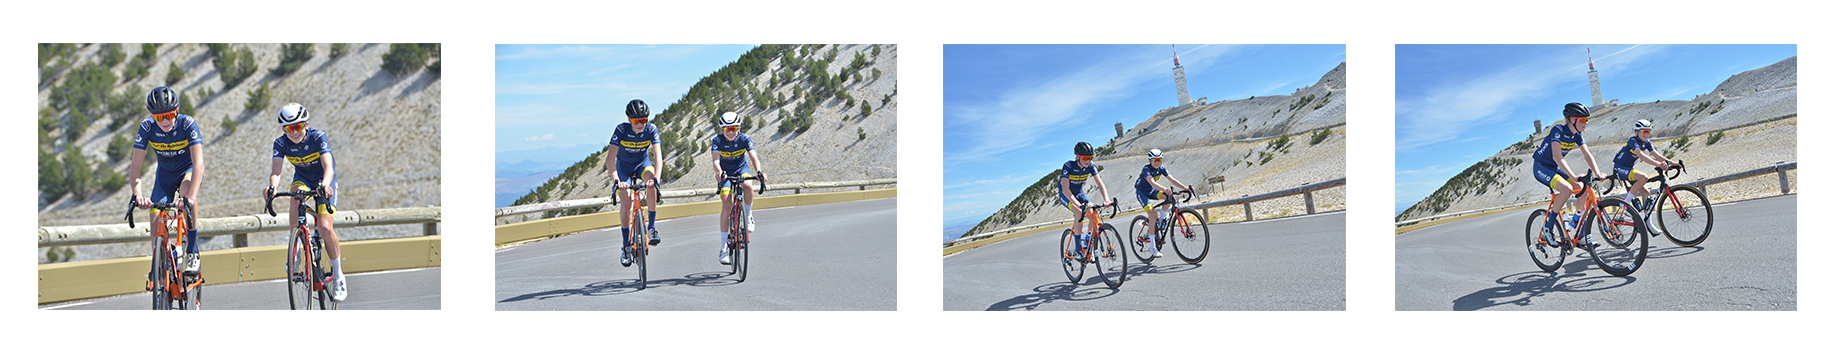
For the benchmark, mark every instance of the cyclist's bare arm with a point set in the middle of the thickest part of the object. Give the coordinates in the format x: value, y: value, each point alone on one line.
x: 134, y: 173
x: 716, y: 160
x: 614, y: 166
x: 1067, y: 193
x: 1102, y: 184
x: 274, y: 172
x: 198, y: 172
x: 1154, y: 184
x: 1173, y: 180
x: 755, y: 163
x: 1590, y: 162
x: 657, y: 162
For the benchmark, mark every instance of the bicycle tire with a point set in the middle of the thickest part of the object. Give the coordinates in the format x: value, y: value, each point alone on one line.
x: 162, y: 270
x: 1692, y: 217
x: 300, y: 281
x: 1110, y: 256
x: 1072, y: 264
x: 1620, y: 220
x: 738, y: 248
x: 1188, y: 224
x: 156, y: 281
x: 1547, y: 256
x: 1141, y: 248
x: 639, y: 246
x: 1614, y: 259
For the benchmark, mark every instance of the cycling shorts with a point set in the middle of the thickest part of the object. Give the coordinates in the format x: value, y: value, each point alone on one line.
x: 743, y: 171
x: 628, y: 171
x: 1063, y: 200
x: 1625, y: 174
x: 323, y: 205
x: 1551, y: 175
x: 1145, y: 198
x: 166, y: 185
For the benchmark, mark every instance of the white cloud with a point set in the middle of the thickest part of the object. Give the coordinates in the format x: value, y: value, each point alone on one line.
x: 1441, y: 114
x: 541, y: 138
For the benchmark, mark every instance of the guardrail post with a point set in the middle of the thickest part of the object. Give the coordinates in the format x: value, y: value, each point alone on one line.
x: 428, y: 229
x: 1784, y: 184
x: 240, y: 240
x: 1247, y: 208
x: 1309, y: 207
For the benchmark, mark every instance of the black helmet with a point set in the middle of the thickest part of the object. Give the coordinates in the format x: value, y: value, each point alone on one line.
x: 637, y: 109
x: 162, y: 100
x: 1083, y: 148
x: 1576, y: 110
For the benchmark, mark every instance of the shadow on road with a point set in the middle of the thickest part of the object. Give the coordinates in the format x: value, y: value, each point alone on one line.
x: 1145, y: 269
x: 625, y: 286
x: 1522, y: 289
x: 1059, y: 291
x: 1671, y: 252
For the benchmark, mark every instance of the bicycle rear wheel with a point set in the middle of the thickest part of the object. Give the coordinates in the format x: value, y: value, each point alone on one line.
x: 1110, y: 256
x: 1189, y: 234
x: 1685, y: 216
x: 1547, y: 255
x: 1141, y: 247
x: 1071, y: 260
x: 1622, y: 257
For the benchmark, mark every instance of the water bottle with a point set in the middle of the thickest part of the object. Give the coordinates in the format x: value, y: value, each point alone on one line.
x: 1573, y: 219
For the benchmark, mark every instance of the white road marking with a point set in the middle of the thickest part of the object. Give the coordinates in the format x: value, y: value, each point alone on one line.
x: 69, y: 305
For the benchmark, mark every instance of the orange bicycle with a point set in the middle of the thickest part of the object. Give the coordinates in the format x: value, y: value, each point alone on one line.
x: 639, y: 234
x: 307, y: 273
x: 171, y: 286
x: 1620, y: 248
x: 1108, y: 253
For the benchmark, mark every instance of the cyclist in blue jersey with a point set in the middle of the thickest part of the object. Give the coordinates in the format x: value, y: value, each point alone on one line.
x: 179, y: 149
x: 1551, y: 166
x: 632, y: 151
x: 311, y: 153
x: 1148, y: 190
x: 1636, y: 148
x: 733, y: 155
x: 1076, y: 173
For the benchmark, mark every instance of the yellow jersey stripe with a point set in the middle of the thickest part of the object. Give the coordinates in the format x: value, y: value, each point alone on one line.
x: 170, y: 146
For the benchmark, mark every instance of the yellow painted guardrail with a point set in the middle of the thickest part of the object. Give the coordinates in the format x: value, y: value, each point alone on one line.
x: 523, y: 231
x: 58, y: 282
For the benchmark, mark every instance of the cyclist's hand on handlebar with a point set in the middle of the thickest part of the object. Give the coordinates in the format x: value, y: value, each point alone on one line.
x: 620, y: 185
x: 142, y: 202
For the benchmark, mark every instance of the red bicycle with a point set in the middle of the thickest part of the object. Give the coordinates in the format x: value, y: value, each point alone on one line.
x: 171, y: 286
x: 738, y: 226
x: 307, y: 275
x: 1185, y: 228
x: 1686, y: 218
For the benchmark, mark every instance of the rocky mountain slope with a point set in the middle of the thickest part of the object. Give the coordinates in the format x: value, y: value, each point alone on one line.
x: 385, y: 130
x: 842, y: 142
x: 1749, y: 121
x: 1257, y: 145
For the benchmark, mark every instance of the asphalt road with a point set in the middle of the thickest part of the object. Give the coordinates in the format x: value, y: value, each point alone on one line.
x: 838, y: 256
x: 1749, y: 262
x: 1289, y: 264
x: 408, y: 289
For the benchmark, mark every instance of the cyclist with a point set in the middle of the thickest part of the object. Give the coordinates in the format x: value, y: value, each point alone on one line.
x: 179, y: 151
x: 1149, y: 190
x: 1551, y: 166
x: 732, y: 154
x: 1634, y: 150
x: 1075, y: 173
x: 311, y: 153
x: 632, y: 151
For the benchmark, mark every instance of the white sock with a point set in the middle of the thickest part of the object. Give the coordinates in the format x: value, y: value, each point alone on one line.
x: 748, y: 209
x: 338, y: 271
x: 723, y: 242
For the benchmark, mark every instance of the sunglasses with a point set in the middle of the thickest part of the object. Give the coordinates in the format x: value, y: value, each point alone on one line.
x: 295, y: 127
x: 166, y: 117
x: 1084, y: 157
x: 732, y: 129
x: 1643, y: 131
x: 637, y: 121
x: 1584, y: 120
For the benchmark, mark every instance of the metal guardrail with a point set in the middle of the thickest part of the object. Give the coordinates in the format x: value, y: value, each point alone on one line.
x: 1245, y: 201
x: 1784, y: 187
x: 240, y: 226
x: 699, y: 192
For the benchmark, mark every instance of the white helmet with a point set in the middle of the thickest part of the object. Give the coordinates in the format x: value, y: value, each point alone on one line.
x: 730, y: 119
x: 292, y: 113
x: 1642, y: 124
x: 1154, y: 154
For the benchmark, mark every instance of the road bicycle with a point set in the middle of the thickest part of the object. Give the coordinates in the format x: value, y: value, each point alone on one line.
x: 738, y: 225
x: 1193, y: 244
x: 307, y: 273
x: 1687, y: 217
x: 1620, y: 249
x: 172, y: 287
x: 638, y: 234
x: 1107, y: 253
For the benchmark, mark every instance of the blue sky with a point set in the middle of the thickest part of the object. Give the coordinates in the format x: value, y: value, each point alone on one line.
x: 1457, y: 104
x: 1014, y: 112
x: 561, y: 95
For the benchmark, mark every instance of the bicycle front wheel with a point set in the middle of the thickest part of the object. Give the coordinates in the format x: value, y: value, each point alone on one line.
x: 162, y: 260
x: 1071, y: 258
x: 1189, y: 234
x: 1619, y: 248
x: 1141, y: 246
x: 738, y: 256
x: 640, y: 247
x: 1685, y: 216
x: 1110, y: 256
x: 300, y: 278
x: 1544, y: 244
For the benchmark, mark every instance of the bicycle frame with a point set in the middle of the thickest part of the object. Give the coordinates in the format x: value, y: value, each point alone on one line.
x: 1092, y: 214
x: 311, y: 272
x: 168, y: 229
x: 1176, y: 222
x: 1592, y: 198
x: 738, y: 226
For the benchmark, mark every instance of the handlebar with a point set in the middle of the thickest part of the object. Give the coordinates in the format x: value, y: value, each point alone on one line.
x: 270, y: 205
x: 1115, y: 205
x: 1678, y: 169
x: 1172, y: 199
x: 757, y: 177
x: 154, y: 205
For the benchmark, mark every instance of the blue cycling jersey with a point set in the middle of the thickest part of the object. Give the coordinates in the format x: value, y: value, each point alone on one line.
x: 1561, y: 134
x: 633, y: 147
x: 172, y: 148
x: 1156, y: 174
x: 1076, y: 175
x: 1627, y: 157
x: 309, y: 157
x: 734, y: 154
